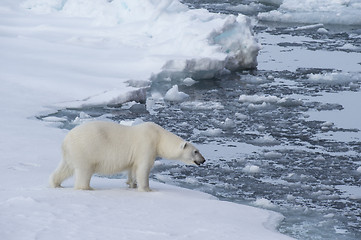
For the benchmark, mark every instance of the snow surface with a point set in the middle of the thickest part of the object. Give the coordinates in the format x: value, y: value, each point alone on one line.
x: 75, y: 53
x: 202, y: 43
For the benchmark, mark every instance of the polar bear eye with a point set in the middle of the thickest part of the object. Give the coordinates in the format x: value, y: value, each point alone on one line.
x: 196, y: 152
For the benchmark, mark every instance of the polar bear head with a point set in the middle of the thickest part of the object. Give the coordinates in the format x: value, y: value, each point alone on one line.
x: 190, y: 154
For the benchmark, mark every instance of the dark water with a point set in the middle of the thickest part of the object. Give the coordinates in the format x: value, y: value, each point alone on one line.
x: 271, y: 148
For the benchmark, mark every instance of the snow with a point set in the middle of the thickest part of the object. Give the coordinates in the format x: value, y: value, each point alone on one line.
x: 345, y: 12
x: 115, y: 213
x: 202, y: 43
x: 57, y: 54
x: 109, y: 97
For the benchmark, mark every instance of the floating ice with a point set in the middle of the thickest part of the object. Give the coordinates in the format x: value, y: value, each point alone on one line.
x: 322, y: 30
x: 265, y: 141
x: 272, y: 155
x: 327, y: 126
x: 83, y: 117
x: 154, y: 102
x: 55, y: 119
x: 330, y: 215
x: 353, y: 192
x: 251, y: 169
x: 259, y: 102
x: 189, y: 81
x: 228, y: 124
x: 126, y: 122
x: 198, y: 105
x: 349, y: 46
x: 345, y: 12
x: 339, y: 230
x: 263, y: 106
x: 264, y: 203
x: 241, y: 116
x: 210, y: 132
x: 320, y: 158
x: 258, y: 99
x: 312, y: 26
x: 333, y: 78
x: 137, y: 121
x: 290, y: 102
x: 174, y: 95
x: 290, y: 197
x: 358, y: 169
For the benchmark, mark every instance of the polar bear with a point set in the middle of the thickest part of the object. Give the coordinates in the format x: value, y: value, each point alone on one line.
x: 109, y: 148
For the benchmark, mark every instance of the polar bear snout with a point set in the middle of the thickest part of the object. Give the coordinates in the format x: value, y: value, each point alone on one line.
x: 199, y: 161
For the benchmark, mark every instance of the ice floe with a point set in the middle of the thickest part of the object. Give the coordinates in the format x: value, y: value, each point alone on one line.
x: 334, y: 78
x: 201, y: 45
x: 200, y: 105
x: 112, y: 97
x: 345, y: 12
x: 175, y: 95
x: 251, y: 169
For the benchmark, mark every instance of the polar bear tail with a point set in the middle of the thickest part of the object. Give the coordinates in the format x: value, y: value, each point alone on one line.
x: 63, y: 172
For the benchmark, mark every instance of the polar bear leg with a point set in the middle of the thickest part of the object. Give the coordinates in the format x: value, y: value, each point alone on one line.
x: 82, y: 178
x: 142, y: 176
x: 131, y: 178
x: 63, y: 172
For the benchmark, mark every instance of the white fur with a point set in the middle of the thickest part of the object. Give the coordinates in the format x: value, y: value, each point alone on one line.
x: 108, y: 148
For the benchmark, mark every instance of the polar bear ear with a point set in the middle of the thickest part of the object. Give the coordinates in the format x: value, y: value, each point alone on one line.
x: 184, y: 145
